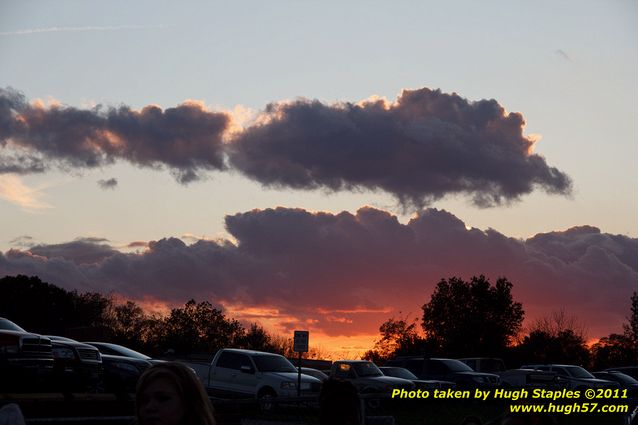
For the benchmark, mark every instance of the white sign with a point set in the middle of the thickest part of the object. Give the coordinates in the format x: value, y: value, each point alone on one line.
x: 301, y: 341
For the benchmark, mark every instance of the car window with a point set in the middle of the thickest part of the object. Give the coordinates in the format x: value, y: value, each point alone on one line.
x: 470, y: 363
x: 271, y: 363
x: 230, y: 360
x: 344, y: 371
x: 8, y: 325
x: 106, y: 350
x: 367, y: 369
x: 436, y: 367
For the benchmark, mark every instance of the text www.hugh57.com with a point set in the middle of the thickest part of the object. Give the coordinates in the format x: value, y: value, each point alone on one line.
x: 568, y: 409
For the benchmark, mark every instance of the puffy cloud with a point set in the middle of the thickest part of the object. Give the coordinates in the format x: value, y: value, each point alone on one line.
x: 420, y: 148
x: 187, y: 138
x: 344, y: 274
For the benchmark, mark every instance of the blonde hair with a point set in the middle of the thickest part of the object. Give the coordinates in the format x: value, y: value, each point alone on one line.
x: 198, y: 409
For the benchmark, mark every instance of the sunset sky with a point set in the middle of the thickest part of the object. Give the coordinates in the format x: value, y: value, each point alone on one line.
x: 321, y: 165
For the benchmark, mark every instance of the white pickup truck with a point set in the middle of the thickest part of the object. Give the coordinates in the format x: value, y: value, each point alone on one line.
x: 246, y: 373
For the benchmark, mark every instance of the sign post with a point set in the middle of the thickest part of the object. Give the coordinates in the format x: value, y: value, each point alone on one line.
x: 300, y: 346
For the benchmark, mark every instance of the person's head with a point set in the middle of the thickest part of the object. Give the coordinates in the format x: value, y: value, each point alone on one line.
x: 170, y: 394
x: 338, y: 403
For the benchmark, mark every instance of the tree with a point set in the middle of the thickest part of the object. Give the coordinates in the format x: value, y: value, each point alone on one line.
x: 472, y: 318
x: 200, y: 327
x: 257, y: 338
x: 557, y: 338
x: 631, y: 328
x: 398, y: 337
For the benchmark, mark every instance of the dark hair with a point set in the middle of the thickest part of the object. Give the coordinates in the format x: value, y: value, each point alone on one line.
x: 198, y: 409
x: 339, y: 403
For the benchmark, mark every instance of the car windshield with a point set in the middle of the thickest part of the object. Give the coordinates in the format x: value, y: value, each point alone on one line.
x: 398, y: 372
x: 273, y: 364
x: 119, y: 350
x: 367, y: 369
x: 456, y: 365
x: 618, y: 377
x: 8, y: 325
x: 578, y: 372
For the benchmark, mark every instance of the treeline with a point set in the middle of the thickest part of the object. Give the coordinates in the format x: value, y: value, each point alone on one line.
x: 197, y: 327
x: 477, y: 319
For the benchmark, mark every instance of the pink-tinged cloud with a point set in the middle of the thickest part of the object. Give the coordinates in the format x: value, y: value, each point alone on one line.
x: 187, y: 138
x: 422, y: 147
x: 344, y: 274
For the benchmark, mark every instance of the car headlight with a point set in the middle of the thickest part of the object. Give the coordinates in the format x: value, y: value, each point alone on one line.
x: 63, y: 353
x: 478, y: 379
x: 288, y: 385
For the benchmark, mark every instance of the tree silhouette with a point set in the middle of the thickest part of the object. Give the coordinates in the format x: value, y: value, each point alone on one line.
x: 398, y: 337
x: 558, y: 338
x: 472, y: 318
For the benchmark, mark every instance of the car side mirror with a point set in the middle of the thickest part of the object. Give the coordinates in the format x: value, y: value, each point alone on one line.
x: 247, y: 369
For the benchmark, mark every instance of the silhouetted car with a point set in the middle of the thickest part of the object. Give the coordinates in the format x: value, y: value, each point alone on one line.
x: 367, y: 377
x: 421, y: 384
x: 120, y: 350
x: 26, y: 359
x: 485, y: 364
x: 623, y: 379
x: 77, y: 367
x: 574, y: 377
x: 121, y: 373
x: 627, y: 370
x: 530, y: 378
x: 446, y: 370
x: 314, y: 372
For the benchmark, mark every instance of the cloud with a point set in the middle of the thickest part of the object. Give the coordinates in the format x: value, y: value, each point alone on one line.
x: 187, y: 138
x: 344, y: 274
x: 29, y: 31
x: 24, y: 241
x: 107, y: 184
x: 424, y: 146
x: 13, y: 190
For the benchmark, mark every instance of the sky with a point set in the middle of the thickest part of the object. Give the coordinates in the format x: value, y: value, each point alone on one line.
x: 321, y: 165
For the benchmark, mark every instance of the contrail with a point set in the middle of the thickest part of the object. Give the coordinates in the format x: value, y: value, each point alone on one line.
x: 83, y: 29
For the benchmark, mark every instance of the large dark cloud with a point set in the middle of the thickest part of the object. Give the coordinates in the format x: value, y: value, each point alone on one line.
x: 187, y: 139
x: 346, y: 273
x: 424, y: 146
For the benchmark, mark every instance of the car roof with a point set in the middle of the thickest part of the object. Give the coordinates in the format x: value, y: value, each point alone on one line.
x: 251, y: 352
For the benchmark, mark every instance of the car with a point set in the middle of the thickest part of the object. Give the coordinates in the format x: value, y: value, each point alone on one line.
x: 77, y: 367
x: 314, y: 372
x: 120, y: 350
x: 26, y: 359
x: 421, y: 384
x: 627, y: 370
x: 445, y: 369
x: 121, y: 374
x: 238, y: 373
x: 485, y: 364
x: 367, y: 377
x: 623, y: 379
x: 533, y: 378
x: 573, y: 376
